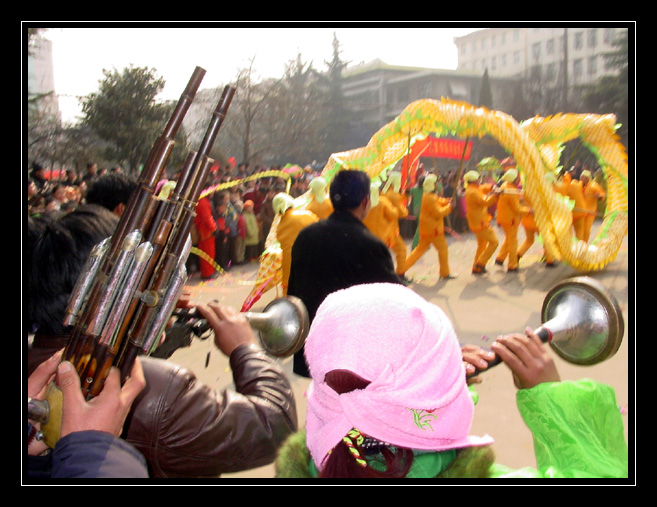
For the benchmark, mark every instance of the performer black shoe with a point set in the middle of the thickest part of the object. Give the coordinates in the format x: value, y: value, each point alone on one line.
x: 479, y: 270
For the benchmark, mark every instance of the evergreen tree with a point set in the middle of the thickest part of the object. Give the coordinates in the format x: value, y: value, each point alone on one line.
x: 610, y: 94
x: 337, y: 116
x: 124, y: 114
x: 485, y: 94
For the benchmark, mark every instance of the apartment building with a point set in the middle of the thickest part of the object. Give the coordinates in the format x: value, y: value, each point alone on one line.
x: 376, y: 92
x: 539, y: 52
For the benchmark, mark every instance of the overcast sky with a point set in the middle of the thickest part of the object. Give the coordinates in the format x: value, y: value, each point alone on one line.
x: 80, y: 53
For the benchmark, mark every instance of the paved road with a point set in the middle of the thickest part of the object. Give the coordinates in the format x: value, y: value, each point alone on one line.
x: 480, y: 308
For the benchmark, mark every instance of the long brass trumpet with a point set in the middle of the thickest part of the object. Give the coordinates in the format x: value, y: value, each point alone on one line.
x: 581, y: 321
x: 281, y: 328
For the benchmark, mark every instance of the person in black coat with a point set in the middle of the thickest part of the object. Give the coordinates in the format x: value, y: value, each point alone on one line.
x: 338, y: 252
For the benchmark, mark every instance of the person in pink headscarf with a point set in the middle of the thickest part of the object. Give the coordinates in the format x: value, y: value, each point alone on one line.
x: 389, y: 399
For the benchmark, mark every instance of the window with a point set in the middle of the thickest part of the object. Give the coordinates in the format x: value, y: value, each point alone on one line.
x: 592, y: 66
x: 579, y: 40
x: 577, y: 69
x: 592, y: 38
x: 609, y: 35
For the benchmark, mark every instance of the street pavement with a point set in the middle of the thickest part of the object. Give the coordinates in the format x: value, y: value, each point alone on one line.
x: 480, y: 308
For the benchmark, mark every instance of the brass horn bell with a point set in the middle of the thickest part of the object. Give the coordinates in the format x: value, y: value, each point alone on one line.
x: 581, y: 321
x: 282, y: 326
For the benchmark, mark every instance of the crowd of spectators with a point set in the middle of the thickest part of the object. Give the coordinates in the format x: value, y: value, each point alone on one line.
x: 241, y: 201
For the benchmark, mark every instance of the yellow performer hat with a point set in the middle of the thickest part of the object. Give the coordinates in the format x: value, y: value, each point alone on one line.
x: 429, y: 183
x: 550, y: 177
x: 281, y: 202
x: 511, y: 175
x: 471, y: 176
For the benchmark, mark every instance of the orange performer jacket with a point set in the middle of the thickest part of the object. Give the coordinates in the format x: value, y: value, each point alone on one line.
x: 397, y: 200
x: 292, y: 221
x: 434, y: 209
x: 321, y: 209
x: 509, y: 209
x: 476, y: 204
x: 382, y: 221
x: 592, y: 192
x: 573, y: 189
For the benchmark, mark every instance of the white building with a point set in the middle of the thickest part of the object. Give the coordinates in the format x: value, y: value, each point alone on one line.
x: 40, y: 75
x: 539, y: 52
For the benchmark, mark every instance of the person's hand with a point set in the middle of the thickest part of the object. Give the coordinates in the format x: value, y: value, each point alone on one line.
x: 184, y: 301
x: 107, y: 411
x: 231, y: 328
x: 527, y: 357
x: 37, y: 383
x: 37, y: 388
x: 475, y: 358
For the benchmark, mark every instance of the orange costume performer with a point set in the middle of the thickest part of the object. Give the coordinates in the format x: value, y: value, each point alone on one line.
x: 319, y: 204
x: 592, y: 193
x: 392, y: 192
x: 431, y: 227
x: 509, y: 217
x: 574, y: 190
x: 477, y: 203
x: 382, y: 219
x: 531, y: 229
x: 291, y: 222
x: 206, y: 227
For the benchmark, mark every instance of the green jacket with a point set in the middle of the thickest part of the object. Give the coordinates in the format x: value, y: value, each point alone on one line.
x: 577, y: 428
x: 251, y: 229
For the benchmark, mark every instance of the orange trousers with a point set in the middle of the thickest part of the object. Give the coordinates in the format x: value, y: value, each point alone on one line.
x: 509, y: 248
x: 529, y: 241
x: 440, y: 244
x: 399, y: 248
x: 579, y: 225
x: 486, y: 245
x: 586, y: 227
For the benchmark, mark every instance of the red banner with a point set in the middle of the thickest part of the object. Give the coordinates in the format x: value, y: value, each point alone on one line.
x: 445, y: 148
x: 432, y: 147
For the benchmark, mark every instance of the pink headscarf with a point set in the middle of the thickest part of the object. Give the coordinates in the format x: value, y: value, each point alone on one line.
x: 387, y: 334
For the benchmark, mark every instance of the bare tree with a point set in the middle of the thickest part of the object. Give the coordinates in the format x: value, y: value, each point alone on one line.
x: 250, y: 128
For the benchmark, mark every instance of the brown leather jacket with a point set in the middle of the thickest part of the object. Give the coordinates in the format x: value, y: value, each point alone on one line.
x: 185, y: 429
